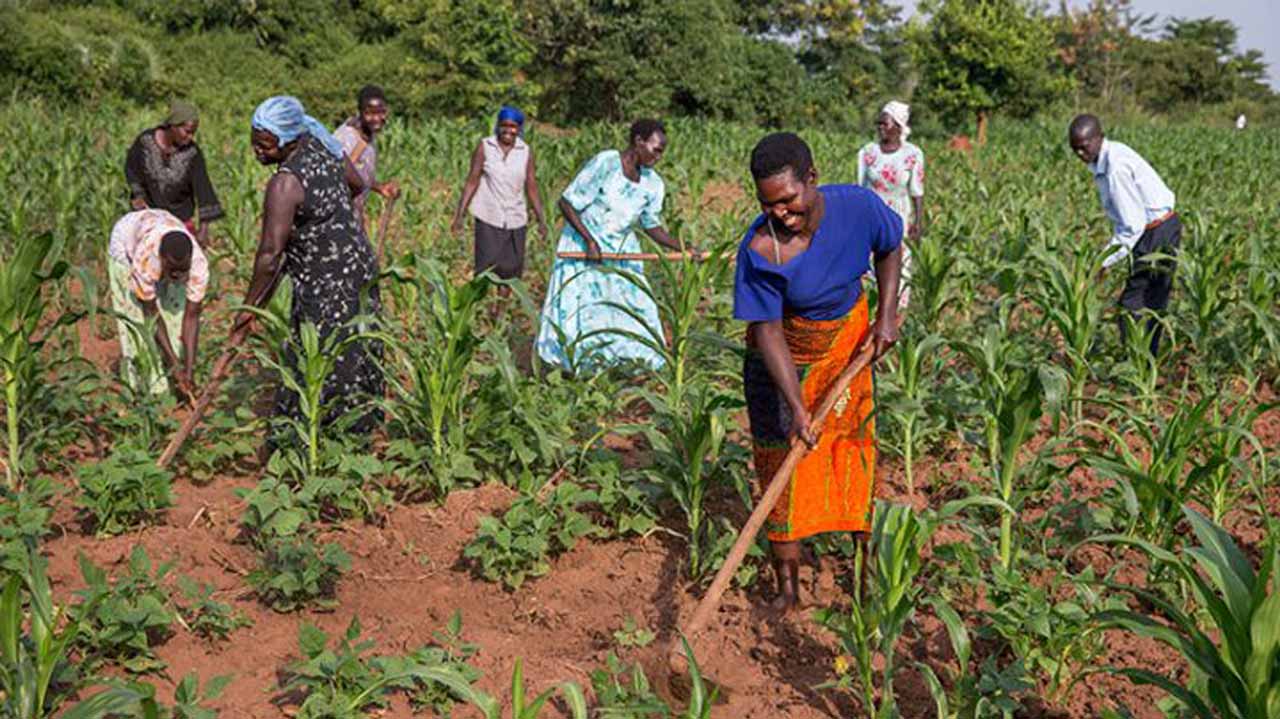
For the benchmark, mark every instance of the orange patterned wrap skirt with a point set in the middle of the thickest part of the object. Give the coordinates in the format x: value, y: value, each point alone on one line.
x: 831, y: 489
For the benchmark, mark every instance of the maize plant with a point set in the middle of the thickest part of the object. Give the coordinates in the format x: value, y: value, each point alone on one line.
x: 918, y: 360
x: 34, y: 659
x: 685, y: 286
x: 690, y: 456
x: 22, y: 307
x: 436, y: 358
x: 1230, y: 637
x: 932, y: 281
x: 869, y: 631
x: 1071, y: 304
x: 305, y: 365
x: 1012, y: 395
x: 1172, y: 461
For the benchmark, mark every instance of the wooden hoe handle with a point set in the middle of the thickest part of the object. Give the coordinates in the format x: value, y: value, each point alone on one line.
x: 202, y: 405
x: 639, y: 256
x: 383, y: 221
x: 711, y: 600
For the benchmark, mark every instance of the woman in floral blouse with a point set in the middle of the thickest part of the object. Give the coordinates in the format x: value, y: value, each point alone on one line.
x: 894, y: 169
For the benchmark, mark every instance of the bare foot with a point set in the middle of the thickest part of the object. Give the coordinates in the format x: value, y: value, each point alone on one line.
x: 785, y: 605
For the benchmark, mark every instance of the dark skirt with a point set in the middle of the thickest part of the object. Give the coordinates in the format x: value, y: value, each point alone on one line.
x: 500, y: 251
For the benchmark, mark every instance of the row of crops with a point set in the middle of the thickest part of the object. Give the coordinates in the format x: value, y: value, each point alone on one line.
x: 1044, y: 483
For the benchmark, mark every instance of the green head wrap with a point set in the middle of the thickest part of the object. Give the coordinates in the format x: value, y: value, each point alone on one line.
x: 180, y: 113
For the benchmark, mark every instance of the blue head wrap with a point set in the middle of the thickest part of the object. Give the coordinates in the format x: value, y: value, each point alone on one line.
x: 284, y: 117
x: 509, y: 113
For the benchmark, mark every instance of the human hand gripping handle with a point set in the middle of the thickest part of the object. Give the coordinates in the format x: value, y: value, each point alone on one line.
x: 802, y: 426
x: 884, y: 333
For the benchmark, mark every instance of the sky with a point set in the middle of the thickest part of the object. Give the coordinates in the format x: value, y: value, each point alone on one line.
x: 1258, y: 20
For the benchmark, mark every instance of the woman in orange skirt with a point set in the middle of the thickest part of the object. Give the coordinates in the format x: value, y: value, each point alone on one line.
x: 799, y: 288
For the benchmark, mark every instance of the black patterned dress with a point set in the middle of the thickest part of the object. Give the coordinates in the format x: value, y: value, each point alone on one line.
x: 333, y: 269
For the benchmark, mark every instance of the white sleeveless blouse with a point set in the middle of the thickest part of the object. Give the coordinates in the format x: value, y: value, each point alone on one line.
x: 500, y: 201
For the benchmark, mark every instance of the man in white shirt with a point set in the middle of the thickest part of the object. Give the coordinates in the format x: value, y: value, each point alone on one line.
x: 1140, y: 207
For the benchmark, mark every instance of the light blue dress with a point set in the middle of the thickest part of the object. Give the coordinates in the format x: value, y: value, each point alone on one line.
x: 583, y: 298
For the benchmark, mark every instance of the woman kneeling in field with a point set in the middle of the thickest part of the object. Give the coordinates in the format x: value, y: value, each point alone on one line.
x: 799, y: 288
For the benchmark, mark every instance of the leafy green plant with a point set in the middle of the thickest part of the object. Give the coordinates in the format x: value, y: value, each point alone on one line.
x: 623, y: 693
x: 1046, y: 626
x: 530, y: 708
x: 533, y: 423
x: 1168, y: 465
x: 122, y: 621
x: 1071, y: 304
x: 1235, y: 656
x: 343, y: 484
x: 188, y: 697
x: 436, y: 358
x: 1012, y: 395
x: 520, y: 544
x: 228, y: 437
x: 272, y: 511
x: 124, y: 491
x: 690, y: 455
x: 22, y: 307
x: 340, y: 683
x: 294, y: 572
x: 908, y: 405
x: 205, y: 616
x: 627, y: 505
x: 632, y: 634
x: 448, y: 650
x: 870, y: 629
x: 24, y: 520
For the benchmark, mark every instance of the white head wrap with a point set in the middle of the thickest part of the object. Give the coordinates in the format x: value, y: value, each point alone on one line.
x: 901, y: 113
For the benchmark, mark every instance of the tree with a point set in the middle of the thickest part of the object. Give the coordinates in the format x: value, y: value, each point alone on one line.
x: 854, y: 47
x: 465, y: 56
x: 979, y: 56
x: 620, y: 59
x: 1093, y: 43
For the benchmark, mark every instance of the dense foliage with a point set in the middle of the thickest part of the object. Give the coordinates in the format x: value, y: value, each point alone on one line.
x: 773, y: 62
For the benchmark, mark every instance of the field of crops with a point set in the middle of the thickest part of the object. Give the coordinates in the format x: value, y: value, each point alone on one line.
x: 1064, y: 520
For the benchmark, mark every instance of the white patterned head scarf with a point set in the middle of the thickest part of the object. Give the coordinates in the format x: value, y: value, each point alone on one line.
x: 901, y: 114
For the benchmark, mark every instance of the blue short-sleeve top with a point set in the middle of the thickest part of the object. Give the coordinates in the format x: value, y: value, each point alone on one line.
x: 825, y: 281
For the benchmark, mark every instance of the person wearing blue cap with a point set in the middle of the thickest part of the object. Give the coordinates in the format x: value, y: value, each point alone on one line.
x: 501, y: 179
x: 310, y: 232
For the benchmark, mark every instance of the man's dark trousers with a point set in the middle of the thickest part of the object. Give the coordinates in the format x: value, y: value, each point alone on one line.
x: 1151, y: 278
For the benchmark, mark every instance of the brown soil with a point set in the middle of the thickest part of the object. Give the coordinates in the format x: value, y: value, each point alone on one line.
x: 408, y: 578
